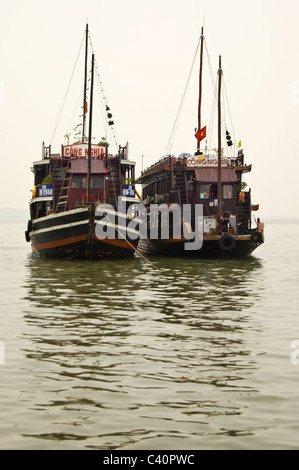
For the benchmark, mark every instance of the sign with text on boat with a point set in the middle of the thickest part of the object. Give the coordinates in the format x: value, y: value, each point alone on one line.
x: 81, y: 150
x: 206, y: 160
x: 45, y: 190
x: 128, y: 190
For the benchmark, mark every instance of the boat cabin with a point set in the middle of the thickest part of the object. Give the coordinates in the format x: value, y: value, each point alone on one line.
x: 61, y: 180
x: 194, y: 180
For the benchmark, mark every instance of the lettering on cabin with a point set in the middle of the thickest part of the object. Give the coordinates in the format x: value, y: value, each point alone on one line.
x: 206, y: 160
x: 81, y: 150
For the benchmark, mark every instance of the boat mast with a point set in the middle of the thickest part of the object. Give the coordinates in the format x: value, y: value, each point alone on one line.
x: 219, y: 188
x: 85, y: 84
x: 200, y: 89
x: 90, y: 130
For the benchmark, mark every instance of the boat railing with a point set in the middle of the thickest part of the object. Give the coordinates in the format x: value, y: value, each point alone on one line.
x: 236, y: 161
x: 169, y: 160
x: 163, y: 162
x: 46, y: 152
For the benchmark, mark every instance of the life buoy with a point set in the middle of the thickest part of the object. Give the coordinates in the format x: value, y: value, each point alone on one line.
x: 227, y: 243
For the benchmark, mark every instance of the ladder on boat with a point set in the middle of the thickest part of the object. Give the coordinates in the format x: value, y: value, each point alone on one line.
x: 65, y: 189
x: 181, y: 183
x: 243, y: 219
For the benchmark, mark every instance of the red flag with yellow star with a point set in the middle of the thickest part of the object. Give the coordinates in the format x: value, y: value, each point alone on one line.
x: 200, y: 135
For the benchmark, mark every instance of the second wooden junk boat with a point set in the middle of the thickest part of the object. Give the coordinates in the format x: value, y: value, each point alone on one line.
x: 210, y: 180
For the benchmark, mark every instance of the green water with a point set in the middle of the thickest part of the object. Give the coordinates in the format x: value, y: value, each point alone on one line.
x: 115, y: 355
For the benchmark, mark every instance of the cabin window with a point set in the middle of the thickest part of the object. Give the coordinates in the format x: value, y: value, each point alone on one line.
x: 227, y: 191
x: 204, y: 191
x: 97, y: 182
x: 79, y: 182
x: 76, y: 182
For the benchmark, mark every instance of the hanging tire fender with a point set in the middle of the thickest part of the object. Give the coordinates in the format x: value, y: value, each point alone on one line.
x: 27, y: 236
x: 227, y: 243
x: 29, y: 226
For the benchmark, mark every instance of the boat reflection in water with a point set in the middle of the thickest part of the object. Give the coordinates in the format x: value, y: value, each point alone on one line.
x: 120, y: 355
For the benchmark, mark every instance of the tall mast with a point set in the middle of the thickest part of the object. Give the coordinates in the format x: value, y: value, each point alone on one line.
x: 85, y: 84
x: 219, y: 188
x: 200, y: 88
x: 90, y: 129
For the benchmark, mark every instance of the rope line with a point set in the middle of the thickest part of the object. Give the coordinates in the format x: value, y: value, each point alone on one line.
x: 129, y: 243
x: 223, y: 108
x: 214, y: 87
x: 75, y: 111
x: 65, y: 96
x: 229, y: 112
x: 104, y: 99
x: 171, y: 139
x: 132, y: 246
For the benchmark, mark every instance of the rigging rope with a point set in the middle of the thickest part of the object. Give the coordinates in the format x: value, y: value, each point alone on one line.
x: 170, y: 142
x: 103, y: 97
x: 65, y: 96
x: 75, y: 111
x: 231, y: 121
x: 211, y: 123
x: 132, y: 246
x: 223, y: 119
x: 224, y: 101
x: 129, y: 243
x: 214, y: 87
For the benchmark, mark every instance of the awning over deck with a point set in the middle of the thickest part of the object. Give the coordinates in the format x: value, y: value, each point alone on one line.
x: 210, y: 175
x: 40, y: 199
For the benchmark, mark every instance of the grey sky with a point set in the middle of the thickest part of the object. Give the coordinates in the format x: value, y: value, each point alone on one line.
x: 145, y: 50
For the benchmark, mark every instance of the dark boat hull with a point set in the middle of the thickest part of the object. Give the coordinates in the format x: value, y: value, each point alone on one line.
x: 244, y: 245
x: 72, y: 234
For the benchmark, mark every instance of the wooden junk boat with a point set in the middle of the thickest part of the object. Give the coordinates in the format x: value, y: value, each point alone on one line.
x: 77, y: 191
x: 210, y: 180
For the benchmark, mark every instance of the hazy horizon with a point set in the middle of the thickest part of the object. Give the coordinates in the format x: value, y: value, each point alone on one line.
x: 144, y: 51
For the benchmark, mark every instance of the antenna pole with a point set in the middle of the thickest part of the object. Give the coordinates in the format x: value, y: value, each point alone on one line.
x: 219, y: 188
x: 200, y: 88
x: 85, y: 84
x: 90, y: 130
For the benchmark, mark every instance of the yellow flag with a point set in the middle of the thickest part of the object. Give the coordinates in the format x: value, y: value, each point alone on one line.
x: 240, y: 144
